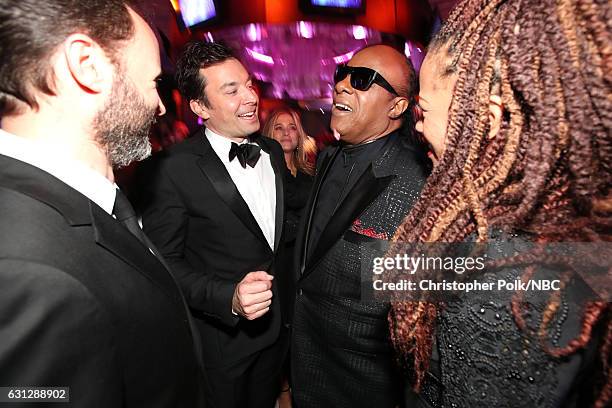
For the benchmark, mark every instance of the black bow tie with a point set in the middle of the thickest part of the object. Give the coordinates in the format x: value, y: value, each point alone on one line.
x: 247, y: 154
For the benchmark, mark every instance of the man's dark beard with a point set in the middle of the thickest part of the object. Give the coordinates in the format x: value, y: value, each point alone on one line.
x: 122, y: 126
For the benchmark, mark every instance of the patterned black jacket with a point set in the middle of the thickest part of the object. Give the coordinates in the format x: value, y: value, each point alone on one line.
x: 341, y: 355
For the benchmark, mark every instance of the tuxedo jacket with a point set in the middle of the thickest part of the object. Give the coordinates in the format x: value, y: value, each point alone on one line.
x: 337, y: 335
x: 195, y: 215
x: 83, y: 304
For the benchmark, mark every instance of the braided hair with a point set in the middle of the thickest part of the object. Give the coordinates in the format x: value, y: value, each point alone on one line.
x: 547, y: 170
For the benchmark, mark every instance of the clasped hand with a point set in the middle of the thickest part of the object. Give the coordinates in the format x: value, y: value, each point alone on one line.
x: 253, y: 295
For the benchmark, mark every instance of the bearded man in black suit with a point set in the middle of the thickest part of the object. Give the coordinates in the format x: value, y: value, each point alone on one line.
x: 86, y: 302
x: 213, y: 205
x: 341, y: 355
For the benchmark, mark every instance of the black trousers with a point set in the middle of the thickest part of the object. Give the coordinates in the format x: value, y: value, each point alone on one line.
x: 252, y: 382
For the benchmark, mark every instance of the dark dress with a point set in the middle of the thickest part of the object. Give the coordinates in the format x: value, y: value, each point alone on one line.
x: 297, y: 190
x: 481, y: 358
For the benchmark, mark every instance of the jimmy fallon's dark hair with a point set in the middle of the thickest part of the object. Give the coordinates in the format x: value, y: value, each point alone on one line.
x: 31, y: 30
x: 198, y: 55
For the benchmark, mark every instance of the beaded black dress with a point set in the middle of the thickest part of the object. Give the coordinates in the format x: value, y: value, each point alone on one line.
x: 481, y: 358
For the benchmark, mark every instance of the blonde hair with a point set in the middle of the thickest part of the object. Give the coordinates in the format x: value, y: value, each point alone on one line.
x: 304, y: 147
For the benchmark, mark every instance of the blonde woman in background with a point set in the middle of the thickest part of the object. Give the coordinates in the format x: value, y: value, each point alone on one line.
x: 284, y: 126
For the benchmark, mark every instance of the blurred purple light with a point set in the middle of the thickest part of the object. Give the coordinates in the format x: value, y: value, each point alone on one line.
x: 341, y: 59
x: 337, y: 3
x: 253, y: 32
x: 260, y: 57
x: 414, y: 54
x: 196, y: 11
x: 305, y: 29
x: 296, y: 67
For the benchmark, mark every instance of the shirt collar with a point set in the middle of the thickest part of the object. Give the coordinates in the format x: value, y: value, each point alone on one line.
x: 72, y: 172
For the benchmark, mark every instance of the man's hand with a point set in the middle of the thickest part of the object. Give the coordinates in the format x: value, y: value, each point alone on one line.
x: 253, y: 295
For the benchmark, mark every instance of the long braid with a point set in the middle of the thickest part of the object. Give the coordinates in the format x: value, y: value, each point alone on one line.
x: 482, y: 98
x: 599, y: 27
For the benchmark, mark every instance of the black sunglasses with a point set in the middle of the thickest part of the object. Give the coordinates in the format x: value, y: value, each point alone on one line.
x: 362, y: 78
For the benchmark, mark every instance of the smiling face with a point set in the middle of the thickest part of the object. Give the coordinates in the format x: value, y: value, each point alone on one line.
x: 232, y: 98
x: 285, y: 132
x: 359, y: 116
x: 435, y: 97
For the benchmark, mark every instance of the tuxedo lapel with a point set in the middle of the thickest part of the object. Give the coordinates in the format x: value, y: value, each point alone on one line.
x: 114, y: 237
x: 366, y: 189
x: 279, y: 169
x: 217, y: 174
x: 310, y: 206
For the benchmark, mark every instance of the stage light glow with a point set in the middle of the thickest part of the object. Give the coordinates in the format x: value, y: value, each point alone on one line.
x: 359, y: 32
x: 253, y: 32
x: 305, y: 29
x: 260, y: 57
x: 341, y: 59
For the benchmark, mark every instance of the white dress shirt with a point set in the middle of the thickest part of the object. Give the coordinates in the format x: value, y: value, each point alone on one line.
x: 54, y: 161
x: 256, y: 185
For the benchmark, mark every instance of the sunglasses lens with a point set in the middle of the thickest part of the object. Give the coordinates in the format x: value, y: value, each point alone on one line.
x: 341, y: 72
x: 361, y: 80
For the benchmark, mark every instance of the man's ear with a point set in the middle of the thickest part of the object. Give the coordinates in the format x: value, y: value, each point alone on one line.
x: 199, y: 109
x: 88, y: 64
x: 400, y: 105
x: 496, y: 110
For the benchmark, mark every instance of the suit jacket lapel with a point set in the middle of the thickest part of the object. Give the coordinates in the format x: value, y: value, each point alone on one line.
x: 217, y: 174
x: 110, y: 234
x: 279, y: 169
x: 310, y: 206
x: 365, y: 190
x: 80, y: 211
x: 368, y: 187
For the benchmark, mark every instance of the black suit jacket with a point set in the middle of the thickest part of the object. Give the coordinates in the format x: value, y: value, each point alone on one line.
x: 84, y: 304
x: 336, y: 334
x: 197, y: 218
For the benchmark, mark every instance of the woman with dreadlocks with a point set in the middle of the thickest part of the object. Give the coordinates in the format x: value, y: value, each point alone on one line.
x: 516, y: 102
